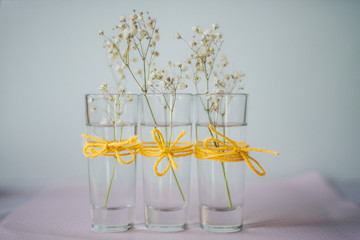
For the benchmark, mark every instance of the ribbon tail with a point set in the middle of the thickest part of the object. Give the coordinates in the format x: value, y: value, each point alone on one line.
x: 131, y: 152
x: 172, y: 161
x: 156, y: 165
x: 248, y: 162
x: 119, y: 158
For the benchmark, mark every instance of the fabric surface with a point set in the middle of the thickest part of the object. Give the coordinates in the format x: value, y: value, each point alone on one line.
x: 304, y: 207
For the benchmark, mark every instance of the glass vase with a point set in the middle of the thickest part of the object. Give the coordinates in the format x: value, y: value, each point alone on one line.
x: 221, y: 183
x: 166, y: 182
x: 111, y: 120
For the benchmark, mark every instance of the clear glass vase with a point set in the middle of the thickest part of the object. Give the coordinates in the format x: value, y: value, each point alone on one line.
x: 221, y: 183
x: 112, y: 181
x: 166, y: 197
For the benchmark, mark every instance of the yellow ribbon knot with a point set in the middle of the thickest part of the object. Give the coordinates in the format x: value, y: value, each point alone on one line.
x: 228, y: 151
x: 97, y: 147
x: 160, y: 149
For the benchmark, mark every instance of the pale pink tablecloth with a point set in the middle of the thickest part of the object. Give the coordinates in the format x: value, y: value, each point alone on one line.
x: 304, y: 207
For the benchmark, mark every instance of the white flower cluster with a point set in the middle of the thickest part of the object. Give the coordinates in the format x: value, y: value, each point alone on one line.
x: 208, y: 66
x: 135, y: 37
x: 161, y: 81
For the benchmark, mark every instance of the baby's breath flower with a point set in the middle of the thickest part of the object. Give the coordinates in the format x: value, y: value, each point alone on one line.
x: 133, y: 17
x: 127, y: 33
x: 204, y: 91
x: 156, y: 37
x: 129, y: 98
x: 207, y: 32
x: 103, y: 121
x: 239, y: 75
x: 215, y: 107
x: 122, y: 89
x: 111, y: 56
x: 150, y: 83
x: 103, y: 86
x: 118, y: 68
x: 124, y: 53
x: 178, y: 64
x: 182, y: 86
x: 112, y: 98
x: 196, y: 29
x: 197, y: 79
x: 101, y: 32
x: 149, y: 25
x: 215, y: 26
x: 143, y: 33
x: 119, y: 122
x: 139, y: 71
x: 90, y: 100
x: 162, y: 84
x: 122, y: 26
x: 141, y: 16
x: 93, y: 110
x: 134, y: 30
x: 219, y: 35
x: 123, y: 19
x: 215, y: 80
x: 177, y: 35
x: 218, y: 91
x: 193, y: 43
x: 184, y: 68
x: 223, y: 84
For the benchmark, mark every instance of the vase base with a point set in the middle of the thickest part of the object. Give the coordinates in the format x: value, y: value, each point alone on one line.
x: 221, y: 220
x: 99, y: 228
x: 166, y: 228
x: 165, y: 220
x: 221, y: 229
x: 114, y: 219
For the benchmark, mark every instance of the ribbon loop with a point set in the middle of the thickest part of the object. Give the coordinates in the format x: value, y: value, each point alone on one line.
x: 160, y: 149
x: 228, y: 151
x: 97, y: 147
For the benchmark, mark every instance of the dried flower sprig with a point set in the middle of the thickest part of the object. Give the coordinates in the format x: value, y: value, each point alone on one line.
x: 203, y: 62
x: 134, y: 38
x: 163, y: 82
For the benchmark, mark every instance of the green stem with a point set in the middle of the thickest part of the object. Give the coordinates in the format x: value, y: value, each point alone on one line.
x: 226, y: 183
x: 113, y: 173
x: 152, y: 114
x: 223, y: 167
x: 112, y: 177
x: 153, y: 117
x: 172, y: 169
x: 177, y: 182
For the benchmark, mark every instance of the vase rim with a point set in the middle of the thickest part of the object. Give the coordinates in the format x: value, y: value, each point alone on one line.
x: 120, y: 94
x: 156, y: 94
x: 221, y: 94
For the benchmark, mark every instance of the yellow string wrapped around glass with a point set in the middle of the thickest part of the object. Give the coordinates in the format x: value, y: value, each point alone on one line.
x: 228, y: 151
x: 97, y: 147
x: 160, y: 149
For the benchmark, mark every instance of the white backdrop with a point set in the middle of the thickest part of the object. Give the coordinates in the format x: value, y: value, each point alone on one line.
x: 301, y: 58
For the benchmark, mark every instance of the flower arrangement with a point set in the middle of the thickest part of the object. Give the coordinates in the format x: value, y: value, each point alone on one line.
x: 132, y: 52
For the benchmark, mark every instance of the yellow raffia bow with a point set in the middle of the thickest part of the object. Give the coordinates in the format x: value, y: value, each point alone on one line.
x: 228, y: 151
x: 160, y: 149
x: 93, y: 149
